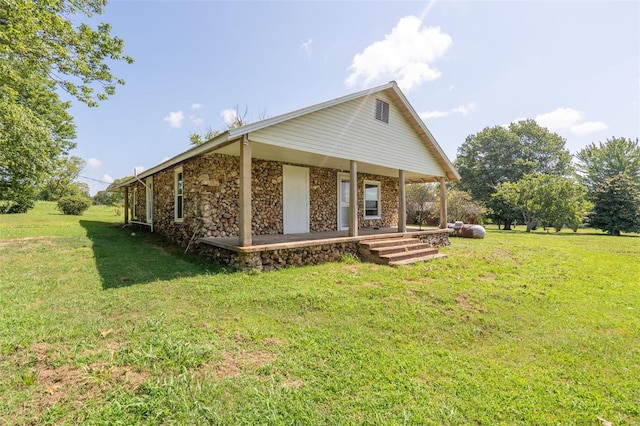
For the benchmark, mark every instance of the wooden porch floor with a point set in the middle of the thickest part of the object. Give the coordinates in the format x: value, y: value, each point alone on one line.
x: 288, y: 241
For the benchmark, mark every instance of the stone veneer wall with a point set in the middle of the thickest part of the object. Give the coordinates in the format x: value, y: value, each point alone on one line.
x: 323, y: 199
x: 211, y: 192
x: 140, y: 202
x: 269, y: 260
x: 436, y: 240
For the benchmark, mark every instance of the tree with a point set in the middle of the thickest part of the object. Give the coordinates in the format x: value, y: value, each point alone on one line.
x: 552, y: 201
x: 617, y: 205
x: 198, y: 139
x: 40, y: 51
x: 237, y: 120
x: 61, y: 182
x: 497, y: 154
x: 420, y: 196
x: 460, y: 206
x: 597, y: 163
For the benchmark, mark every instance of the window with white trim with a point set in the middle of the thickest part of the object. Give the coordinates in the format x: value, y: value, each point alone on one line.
x: 179, y: 197
x: 371, y: 199
x: 382, y: 111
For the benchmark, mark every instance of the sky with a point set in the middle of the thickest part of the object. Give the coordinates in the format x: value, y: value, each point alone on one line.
x: 573, y: 66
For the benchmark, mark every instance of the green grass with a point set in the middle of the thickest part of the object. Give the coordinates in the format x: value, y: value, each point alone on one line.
x: 101, y: 327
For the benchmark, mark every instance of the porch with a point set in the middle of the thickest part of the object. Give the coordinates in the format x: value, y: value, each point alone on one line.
x: 276, y: 251
x: 290, y: 241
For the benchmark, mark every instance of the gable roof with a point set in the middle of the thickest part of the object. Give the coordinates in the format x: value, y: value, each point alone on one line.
x: 391, y: 89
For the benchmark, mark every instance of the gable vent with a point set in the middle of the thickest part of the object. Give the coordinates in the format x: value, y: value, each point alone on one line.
x: 382, y: 111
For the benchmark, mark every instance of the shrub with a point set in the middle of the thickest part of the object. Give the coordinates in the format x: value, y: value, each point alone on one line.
x: 74, y: 205
x: 21, y: 205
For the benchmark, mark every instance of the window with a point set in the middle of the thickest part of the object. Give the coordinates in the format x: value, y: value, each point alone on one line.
x: 382, y: 111
x: 179, y: 198
x: 371, y: 199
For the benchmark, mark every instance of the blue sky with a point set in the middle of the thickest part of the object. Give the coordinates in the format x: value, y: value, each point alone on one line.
x: 464, y: 65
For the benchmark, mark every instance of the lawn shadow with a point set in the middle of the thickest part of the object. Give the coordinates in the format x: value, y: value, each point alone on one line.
x: 124, y: 259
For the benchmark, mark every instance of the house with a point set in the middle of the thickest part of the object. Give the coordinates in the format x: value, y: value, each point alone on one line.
x: 302, y: 187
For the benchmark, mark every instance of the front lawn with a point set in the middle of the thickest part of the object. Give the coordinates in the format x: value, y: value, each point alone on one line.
x: 99, y: 326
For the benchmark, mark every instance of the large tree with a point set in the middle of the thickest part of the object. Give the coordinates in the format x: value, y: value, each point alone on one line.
x: 551, y: 201
x: 62, y: 182
x: 505, y: 154
x: 598, y: 162
x: 617, y: 205
x: 40, y: 51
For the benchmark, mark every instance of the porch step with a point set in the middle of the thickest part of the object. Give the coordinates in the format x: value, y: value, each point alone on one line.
x: 399, y: 250
x: 387, y: 242
x: 417, y: 259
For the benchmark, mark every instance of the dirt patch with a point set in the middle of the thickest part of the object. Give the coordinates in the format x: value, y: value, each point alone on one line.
x: 464, y: 301
x: 233, y: 365
x: 274, y: 341
x: 54, y: 382
x: 488, y: 278
x: 292, y: 384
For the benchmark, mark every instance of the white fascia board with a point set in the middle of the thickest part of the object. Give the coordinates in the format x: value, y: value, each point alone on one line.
x: 252, y: 127
x: 426, y: 130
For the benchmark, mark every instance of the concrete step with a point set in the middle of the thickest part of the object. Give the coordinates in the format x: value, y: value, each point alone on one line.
x: 393, y: 257
x: 417, y: 259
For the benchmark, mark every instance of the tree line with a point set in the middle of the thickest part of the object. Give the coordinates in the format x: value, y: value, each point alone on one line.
x: 522, y: 173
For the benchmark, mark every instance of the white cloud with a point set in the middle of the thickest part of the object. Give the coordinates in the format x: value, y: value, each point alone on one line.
x: 107, y: 178
x: 94, y: 163
x: 404, y: 55
x: 453, y: 86
x: 559, y: 119
x: 197, y: 121
x: 589, y: 127
x: 229, y: 116
x: 434, y: 114
x: 307, y: 47
x: 196, y: 106
x: 462, y: 110
x: 569, y: 120
x: 175, y: 119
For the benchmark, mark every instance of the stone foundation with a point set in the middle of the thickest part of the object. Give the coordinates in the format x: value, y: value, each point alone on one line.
x: 436, y: 239
x: 269, y: 260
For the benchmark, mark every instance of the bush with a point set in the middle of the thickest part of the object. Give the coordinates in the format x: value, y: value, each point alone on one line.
x: 73, y: 205
x: 21, y: 205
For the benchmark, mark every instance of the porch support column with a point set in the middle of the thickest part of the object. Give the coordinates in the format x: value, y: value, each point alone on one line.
x: 443, y: 204
x: 402, y: 203
x: 245, y: 193
x: 353, y: 200
x: 126, y: 205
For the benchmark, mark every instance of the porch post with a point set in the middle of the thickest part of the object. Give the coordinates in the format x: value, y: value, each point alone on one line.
x: 126, y: 205
x: 245, y: 193
x: 353, y: 200
x: 402, y: 203
x: 443, y: 204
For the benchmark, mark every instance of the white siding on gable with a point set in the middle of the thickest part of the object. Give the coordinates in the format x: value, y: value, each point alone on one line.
x: 351, y: 131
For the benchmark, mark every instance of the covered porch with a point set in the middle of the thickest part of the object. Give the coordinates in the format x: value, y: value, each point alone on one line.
x: 247, y: 149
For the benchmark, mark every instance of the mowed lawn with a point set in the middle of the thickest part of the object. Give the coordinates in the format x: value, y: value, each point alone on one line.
x: 101, y: 327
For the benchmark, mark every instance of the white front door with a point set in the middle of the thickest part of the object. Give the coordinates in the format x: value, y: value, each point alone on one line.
x: 295, y: 199
x: 343, y: 202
